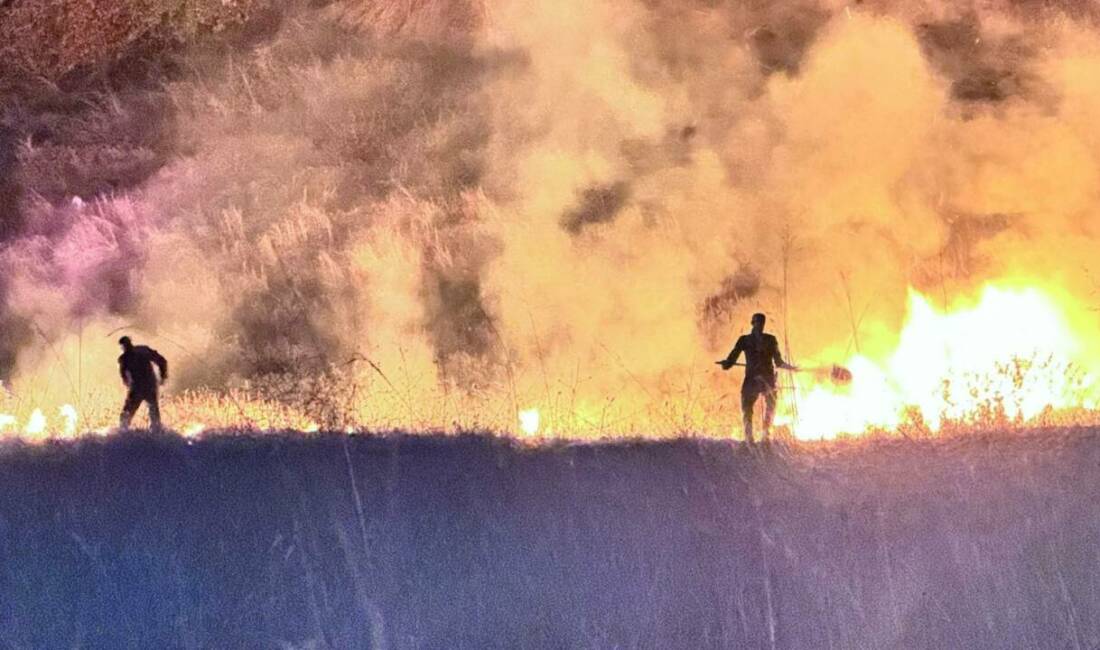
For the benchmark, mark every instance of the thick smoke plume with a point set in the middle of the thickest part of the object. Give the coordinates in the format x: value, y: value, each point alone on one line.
x: 443, y: 212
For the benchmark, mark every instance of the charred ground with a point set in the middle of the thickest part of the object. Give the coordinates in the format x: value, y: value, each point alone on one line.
x: 473, y: 542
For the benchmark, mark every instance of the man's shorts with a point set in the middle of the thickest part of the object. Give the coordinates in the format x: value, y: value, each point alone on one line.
x: 750, y: 390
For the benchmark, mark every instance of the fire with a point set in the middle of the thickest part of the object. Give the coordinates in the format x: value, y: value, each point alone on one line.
x: 36, y: 425
x: 1011, y: 355
x: 193, y: 429
x: 71, y: 417
x: 189, y: 413
x: 1014, y: 355
x: 587, y: 239
x: 529, y: 421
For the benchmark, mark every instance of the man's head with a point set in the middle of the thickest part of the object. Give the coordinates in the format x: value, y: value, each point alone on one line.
x: 126, y: 343
x: 758, y: 321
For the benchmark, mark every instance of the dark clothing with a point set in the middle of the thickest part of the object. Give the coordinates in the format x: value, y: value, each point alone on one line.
x: 749, y: 394
x: 136, y: 368
x: 761, y: 358
x: 133, y: 401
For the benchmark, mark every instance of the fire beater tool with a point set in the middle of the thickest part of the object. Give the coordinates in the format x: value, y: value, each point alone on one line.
x: 835, y: 373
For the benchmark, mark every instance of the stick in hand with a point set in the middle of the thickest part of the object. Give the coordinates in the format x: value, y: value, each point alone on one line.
x: 837, y: 374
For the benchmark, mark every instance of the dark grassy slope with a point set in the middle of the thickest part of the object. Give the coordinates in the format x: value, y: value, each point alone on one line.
x: 469, y: 543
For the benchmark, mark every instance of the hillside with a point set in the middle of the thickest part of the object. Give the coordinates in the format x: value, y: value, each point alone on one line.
x: 474, y: 542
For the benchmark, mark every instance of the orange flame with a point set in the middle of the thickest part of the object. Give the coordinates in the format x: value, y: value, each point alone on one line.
x: 1014, y: 354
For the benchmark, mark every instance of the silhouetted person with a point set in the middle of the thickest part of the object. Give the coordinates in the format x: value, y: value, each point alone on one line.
x: 136, y: 367
x: 761, y: 351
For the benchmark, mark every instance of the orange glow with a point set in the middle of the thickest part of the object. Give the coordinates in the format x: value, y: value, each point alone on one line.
x: 1011, y: 356
x: 563, y: 247
x: 1016, y: 355
x: 193, y: 429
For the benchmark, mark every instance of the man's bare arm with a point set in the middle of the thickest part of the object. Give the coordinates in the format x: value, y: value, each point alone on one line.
x: 731, y: 360
x: 778, y: 359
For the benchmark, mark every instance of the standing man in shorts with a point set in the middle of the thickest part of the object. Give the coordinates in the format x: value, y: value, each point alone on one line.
x: 761, y: 359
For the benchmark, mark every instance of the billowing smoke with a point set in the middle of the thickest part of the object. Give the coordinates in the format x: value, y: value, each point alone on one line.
x: 574, y: 204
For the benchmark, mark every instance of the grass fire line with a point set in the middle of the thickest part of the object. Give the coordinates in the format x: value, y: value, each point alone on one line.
x: 951, y: 369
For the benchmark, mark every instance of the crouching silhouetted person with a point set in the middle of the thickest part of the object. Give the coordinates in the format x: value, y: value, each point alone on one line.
x: 136, y: 367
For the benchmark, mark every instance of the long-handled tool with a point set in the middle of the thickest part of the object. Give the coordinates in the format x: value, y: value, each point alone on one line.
x: 836, y: 374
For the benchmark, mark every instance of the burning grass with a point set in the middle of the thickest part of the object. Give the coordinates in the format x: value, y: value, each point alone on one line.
x: 935, y: 382
x: 307, y: 404
x: 326, y: 226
